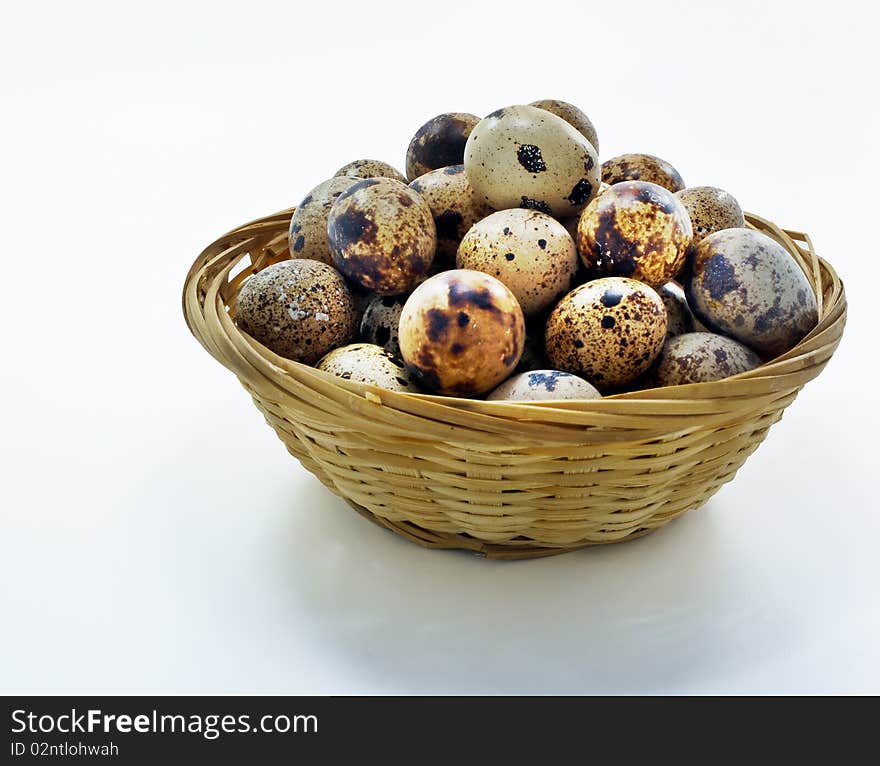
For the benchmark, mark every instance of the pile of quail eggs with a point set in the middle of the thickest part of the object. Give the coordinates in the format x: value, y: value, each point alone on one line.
x: 510, y: 263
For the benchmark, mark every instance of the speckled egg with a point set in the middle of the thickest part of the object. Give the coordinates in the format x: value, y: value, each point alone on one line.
x: 680, y: 319
x: 527, y: 250
x: 635, y: 229
x: 308, y: 224
x: 461, y: 333
x: 380, y: 322
x: 455, y: 207
x: 382, y: 235
x: 439, y: 143
x: 370, y: 169
x: 522, y: 156
x: 368, y: 363
x: 543, y: 385
x: 701, y: 357
x: 572, y: 115
x: 609, y: 330
x: 300, y: 309
x: 743, y: 284
x: 642, y: 167
x: 710, y: 209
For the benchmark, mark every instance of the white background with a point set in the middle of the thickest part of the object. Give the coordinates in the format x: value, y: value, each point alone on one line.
x: 156, y: 535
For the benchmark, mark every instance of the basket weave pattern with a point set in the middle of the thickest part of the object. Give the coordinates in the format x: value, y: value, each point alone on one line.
x: 505, y: 479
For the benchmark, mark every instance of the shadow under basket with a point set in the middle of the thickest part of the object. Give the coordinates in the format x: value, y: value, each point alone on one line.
x: 508, y: 480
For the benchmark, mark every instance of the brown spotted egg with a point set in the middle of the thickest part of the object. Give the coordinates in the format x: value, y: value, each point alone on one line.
x: 541, y: 385
x: 701, y: 357
x: 370, y: 169
x: 300, y: 309
x: 439, y: 143
x: 308, y: 224
x: 461, y: 333
x: 382, y: 235
x: 743, y: 284
x: 572, y: 115
x: 710, y: 209
x: 368, y: 363
x: 528, y: 251
x: 679, y: 317
x: 635, y: 229
x: 609, y: 330
x: 380, y: 321
x: 641, y: 167
x: 522, y: 156
x: 455, y: 207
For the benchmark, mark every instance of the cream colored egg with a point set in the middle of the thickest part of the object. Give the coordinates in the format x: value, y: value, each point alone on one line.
x: 641, y: 167
x: 307, y: 234
x: 710, y: 209
x: 573, y: 116
x: 370, y: 169
x: 700, y: 357
x: 540, y: 385
x: 368, y: 363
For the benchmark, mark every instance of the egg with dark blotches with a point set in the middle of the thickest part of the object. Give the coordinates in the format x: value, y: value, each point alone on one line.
x: 542, y: 385
x: 380, y: 322
x: 743, y: 284
x: 528, y: 251
x: 522, y: 156
x: 572, y: 115
x: 439, y: 143
x: 382, y: 235
x: 300, y: 309
x: 711, y: 209
x: 609, y: 330
x: 368, y: 363
x: 641, y: 167
x: 701, y: 357
x: 461, y: 333
x: 370, y: 169
x: 307, y: 234
x: 455, y: 207
x: 635, y: 229
x: 679, y: 317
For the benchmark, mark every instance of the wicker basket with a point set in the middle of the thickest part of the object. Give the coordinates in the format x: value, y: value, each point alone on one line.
x: 508, y: 480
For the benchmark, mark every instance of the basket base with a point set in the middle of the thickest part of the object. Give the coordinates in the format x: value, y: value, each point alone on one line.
x: 514, y: 550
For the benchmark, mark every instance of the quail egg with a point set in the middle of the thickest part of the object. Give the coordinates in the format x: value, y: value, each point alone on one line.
x: 370, y: 169
x: 522, y: 156
x: 380, y: 321
x: 679, y: 317
x: 743, y: 284
x: 572, y: 115
x: 710, y: 209
x: 368, y: 363
x: 455, y: 207
x: 542, y: 385
x: 635, y: 229
x: 609, y: 330
x: 533, y: 356
x: 439, y: 143
x: 461, y: 332
x: 700, y: 357
x: 300, y: 309
x: 641, y: 167
x: 308, y: 224
x: 382, y: 235
x: 527, y: 250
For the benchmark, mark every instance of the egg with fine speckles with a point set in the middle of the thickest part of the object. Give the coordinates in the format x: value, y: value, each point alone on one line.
x: 382, y: 235
x: 701, y: 357
x: 307, y: 234
x: 380, y: 321
x: 522, y: 156
x: 368, y: 363
x: 635, y: 229
x: 609, y: 330
x: 300, y: 309
x: 680, y: 318
x: 642, y: 167
x: 542, y: 385
x: 370, y: 169
x: 528, y: 251
x: 743, y: 284
x: 455, y: 207
x: 461, y: 333
x: 711, y: 209
x: 572, y: 115
x: 439, y: 143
